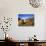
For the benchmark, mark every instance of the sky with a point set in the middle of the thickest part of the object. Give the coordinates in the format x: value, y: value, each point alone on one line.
x: 25, y: 16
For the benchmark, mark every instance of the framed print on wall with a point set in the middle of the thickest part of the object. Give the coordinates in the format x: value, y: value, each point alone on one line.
x: 25, y: 19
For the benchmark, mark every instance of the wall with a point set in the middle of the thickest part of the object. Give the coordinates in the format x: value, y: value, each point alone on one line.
x: 11, y: 8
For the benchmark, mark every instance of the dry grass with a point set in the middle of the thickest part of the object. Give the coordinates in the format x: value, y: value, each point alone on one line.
x: 26, y: 23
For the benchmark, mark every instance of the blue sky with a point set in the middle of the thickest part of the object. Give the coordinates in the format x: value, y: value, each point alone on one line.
x: 25, y: 16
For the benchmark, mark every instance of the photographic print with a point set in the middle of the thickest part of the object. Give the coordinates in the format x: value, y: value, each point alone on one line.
x: 25, y: 19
